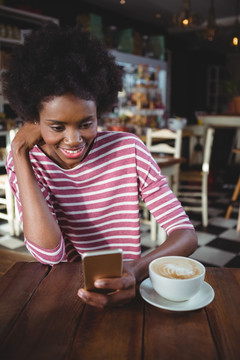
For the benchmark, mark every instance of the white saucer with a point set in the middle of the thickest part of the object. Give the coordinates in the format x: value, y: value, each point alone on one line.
x: 204, y: 297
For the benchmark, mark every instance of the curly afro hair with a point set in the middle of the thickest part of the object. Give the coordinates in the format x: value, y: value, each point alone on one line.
x: 54, y: 61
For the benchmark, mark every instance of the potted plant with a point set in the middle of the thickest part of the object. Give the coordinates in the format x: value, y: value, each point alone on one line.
x: 232, y: 91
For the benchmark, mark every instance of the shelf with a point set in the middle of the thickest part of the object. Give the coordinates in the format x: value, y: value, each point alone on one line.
x: 150, y: 112
x: 25, y: 16
x: 148, y: 89
x: 143, y: 112
x: 135, y: 59
x: 25, y: 20
x: 9, y: 41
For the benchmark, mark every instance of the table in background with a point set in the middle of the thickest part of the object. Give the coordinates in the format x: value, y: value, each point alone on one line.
x: 223, y: 121
x: 9, y: 257
x: 167, y: 165
x: 43, y: 318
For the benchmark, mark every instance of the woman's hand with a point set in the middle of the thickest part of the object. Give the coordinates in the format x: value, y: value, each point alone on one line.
x: 124, y: 289
x: 182, y: 242
x: 26, y: 138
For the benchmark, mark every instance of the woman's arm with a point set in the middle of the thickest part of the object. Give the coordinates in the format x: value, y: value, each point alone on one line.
x: 39, y: 225
x: 179, y: 242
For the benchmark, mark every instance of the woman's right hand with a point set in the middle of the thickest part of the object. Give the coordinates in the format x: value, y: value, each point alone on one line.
x: 26, y: 138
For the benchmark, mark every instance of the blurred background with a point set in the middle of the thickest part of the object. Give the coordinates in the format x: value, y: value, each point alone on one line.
x: 180, y: 60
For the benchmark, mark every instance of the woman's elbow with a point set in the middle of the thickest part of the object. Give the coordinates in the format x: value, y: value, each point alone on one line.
x: 193, y: 241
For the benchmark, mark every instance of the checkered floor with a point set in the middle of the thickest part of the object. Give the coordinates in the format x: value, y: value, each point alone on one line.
x: 218, y: 244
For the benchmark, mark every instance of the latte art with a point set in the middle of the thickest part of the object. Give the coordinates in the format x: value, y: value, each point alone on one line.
x: 176, y: 278
x: 177, y: 269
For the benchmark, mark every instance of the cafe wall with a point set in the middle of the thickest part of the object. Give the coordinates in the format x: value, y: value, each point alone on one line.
x: 233, y: 61
x: 189, y: 74
x: 188, y: 62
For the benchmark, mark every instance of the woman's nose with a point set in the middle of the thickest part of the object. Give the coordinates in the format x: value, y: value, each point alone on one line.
x: 73, y: 137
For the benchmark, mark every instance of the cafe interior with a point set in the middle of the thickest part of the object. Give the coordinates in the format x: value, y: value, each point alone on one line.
x: 181, y: 86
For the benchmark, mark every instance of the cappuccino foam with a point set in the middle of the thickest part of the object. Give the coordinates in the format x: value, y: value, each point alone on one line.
x: 177, y: 269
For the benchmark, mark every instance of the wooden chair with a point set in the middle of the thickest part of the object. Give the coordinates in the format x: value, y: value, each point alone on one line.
x: 195, y: 144
x: 167, y: 142
x: 8, y: 209
x: 234, y: 198
x: 162, y: 142
x: 193, y: 187
x: 7, y: 203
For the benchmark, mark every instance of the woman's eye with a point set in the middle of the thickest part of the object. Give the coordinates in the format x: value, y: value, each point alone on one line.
x: 57, y: 128
x: 86, y: 125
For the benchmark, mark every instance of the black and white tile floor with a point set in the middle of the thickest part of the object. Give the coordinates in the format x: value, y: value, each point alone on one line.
x: 218, y: 243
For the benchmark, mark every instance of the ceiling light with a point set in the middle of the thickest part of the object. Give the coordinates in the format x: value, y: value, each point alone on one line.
x: 236, y: 33
x: 184, y: 19
x: 235, y: 41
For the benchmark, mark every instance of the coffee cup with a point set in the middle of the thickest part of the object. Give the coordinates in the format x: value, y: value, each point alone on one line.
x: 176, y: 278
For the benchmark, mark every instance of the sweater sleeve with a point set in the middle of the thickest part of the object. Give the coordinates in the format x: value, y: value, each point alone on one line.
x: 45, y: 256
x: 155, y: 192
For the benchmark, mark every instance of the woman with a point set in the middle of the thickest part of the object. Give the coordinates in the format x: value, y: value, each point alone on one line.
x: 77, y: 189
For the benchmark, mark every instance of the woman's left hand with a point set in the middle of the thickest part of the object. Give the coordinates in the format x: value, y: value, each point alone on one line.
x: 124, y: 289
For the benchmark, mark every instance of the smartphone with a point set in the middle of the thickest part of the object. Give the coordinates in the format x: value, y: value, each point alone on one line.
x: 101, y: 264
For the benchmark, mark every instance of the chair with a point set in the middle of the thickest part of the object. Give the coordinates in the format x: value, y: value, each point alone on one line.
x: 8, y: 209
x: 193, y: 184
x: 162, y: 142
x: 168, y: 143
x: 7, y: 203
x: 234, y: 198
x: 195, y: 144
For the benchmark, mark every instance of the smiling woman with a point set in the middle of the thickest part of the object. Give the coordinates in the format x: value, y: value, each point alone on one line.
x: 68, y: 126
x: 78, y: 189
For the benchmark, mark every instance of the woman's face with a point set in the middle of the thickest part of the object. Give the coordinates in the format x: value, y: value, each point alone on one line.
x: 68, y: 126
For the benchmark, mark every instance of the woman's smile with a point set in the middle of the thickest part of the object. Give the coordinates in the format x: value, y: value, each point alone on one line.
x: 68, y: 127
x: 73, y: 153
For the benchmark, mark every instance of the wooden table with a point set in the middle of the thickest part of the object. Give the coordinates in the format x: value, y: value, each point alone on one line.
x: 42, y: 318
x: 169, y: 167
x: 9, y: 257
x: 166, y: 161
x: 223, y: 121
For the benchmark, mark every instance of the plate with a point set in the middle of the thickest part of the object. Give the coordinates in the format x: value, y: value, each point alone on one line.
x: 203, y: 298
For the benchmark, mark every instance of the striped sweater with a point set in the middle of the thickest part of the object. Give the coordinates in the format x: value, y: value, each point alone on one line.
x: 96, y: 203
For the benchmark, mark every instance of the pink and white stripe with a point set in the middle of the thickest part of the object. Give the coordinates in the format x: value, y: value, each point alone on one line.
x: 97, y: 203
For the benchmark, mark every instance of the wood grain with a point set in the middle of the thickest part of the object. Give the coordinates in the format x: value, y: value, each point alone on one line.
x: 113, y: 333
x: 41, y: 317
x: 46, y: 326
x: 18, y: 294
x: 9, y: 257
x: 177, y: 335
x: 224, y: 311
